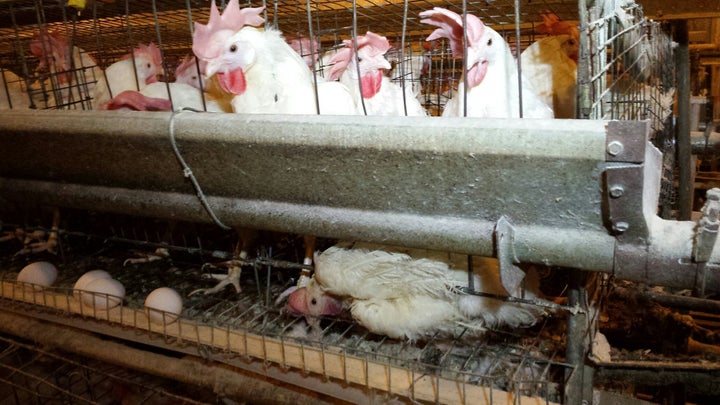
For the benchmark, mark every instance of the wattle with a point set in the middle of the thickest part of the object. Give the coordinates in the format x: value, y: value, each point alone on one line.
x: 370, y: 83
x: 476, y: 74
x: 233, y: 81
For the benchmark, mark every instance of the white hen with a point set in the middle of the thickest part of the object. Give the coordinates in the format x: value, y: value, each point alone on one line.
x: 373, y: 92
x: 409, y: 292
x: 70, y: 73
x: 132, y: 72
x: 491, y: 72
x: 178, y: 96
x: 263, y: 73
x: 257, y: 66
x: 550, y: 64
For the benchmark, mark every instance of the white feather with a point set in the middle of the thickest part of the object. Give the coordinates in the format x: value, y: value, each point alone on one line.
x: 278, y: 81
x: 552, y: 74
x: 183, y: 95
x: 120, y: 76
x: 401, y: 292
x: 498, y: 96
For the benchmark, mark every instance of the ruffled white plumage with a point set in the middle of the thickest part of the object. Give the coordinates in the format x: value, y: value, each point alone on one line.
x: 411, y: 293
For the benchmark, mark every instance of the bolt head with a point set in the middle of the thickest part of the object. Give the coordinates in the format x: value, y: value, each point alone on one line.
x: 621, y: 226
x: 615, y: 148
x: 616, y: 191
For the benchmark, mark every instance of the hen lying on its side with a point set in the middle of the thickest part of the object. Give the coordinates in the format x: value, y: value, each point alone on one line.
x: 411, y: 293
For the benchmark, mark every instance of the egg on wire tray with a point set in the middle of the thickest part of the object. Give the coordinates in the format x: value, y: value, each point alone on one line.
x: 38, y: 275
x: 97, y: 289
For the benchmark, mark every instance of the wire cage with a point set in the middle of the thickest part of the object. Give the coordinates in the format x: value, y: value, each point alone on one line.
x: 250, y: 329
x: 628, y: 69
x: 624, y: 72
x: 631, y: 76
x: 106, y: 31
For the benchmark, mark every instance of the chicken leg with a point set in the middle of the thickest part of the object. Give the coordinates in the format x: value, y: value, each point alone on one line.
x: 35, y: 242
x: 247, y: 239
x: 305, y: 273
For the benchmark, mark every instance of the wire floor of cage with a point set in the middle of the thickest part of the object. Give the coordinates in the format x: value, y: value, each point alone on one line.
x: 500, y: 364
x: 250, y: 328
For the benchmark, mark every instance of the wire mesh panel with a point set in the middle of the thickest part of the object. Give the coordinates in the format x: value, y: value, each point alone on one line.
x: 631, y: 76
x: 457, y: 368
x: 631, y: 65
x: 39, y: 39
x: 62, y: 57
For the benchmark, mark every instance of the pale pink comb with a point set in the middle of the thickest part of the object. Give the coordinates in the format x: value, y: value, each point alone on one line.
x: 185, y: 64
x: 151, y: 51
x: 305, y: 47
x: 232, y: 19
x: 372, y: 43
x: 47, y: 43
x: 450, y: 26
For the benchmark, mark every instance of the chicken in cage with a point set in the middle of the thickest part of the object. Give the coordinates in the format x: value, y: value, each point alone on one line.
x: 242, y: 204
x: 401, y: 70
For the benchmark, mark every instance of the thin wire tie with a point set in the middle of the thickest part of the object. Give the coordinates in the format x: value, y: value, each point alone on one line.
x: 187, y: 172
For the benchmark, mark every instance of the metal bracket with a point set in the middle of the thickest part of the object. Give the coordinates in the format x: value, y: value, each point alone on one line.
x: 626, y: 141
x: 707, y: 230
x: 623, y: 199
x: 510, y: 275
x: 706, y: 234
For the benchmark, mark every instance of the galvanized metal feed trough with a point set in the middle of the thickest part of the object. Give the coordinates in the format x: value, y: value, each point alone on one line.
x: 575, y: 193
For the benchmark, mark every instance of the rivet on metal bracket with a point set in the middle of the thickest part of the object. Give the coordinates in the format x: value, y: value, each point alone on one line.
x: 627, y: 141
x: 621, y: 226
x: 616, y: 191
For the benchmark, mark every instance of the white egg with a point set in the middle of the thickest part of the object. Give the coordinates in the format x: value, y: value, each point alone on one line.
x: 97, y: 296
x: 165, y: 302
x: 87, y: 278
x: 42, y: 274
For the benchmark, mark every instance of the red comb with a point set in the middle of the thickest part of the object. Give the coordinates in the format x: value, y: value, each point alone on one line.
x: 232, y: 19
x: 373, y: 43
x: 339, y: 62
x: 302, y: 44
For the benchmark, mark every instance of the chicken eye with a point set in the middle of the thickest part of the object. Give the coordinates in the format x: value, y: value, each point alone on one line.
x: 233, y: 48
x: 489, y: 42
x: 313, y: 301
x: 148, y: 66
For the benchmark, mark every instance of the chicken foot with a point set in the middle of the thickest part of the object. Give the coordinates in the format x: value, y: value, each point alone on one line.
x: 231, y: 278
x: 159, y: 254
x: 247, y: 238
x: 35, y: 242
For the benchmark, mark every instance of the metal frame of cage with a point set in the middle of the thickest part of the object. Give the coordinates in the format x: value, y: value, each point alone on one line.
x: 600, y: 83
